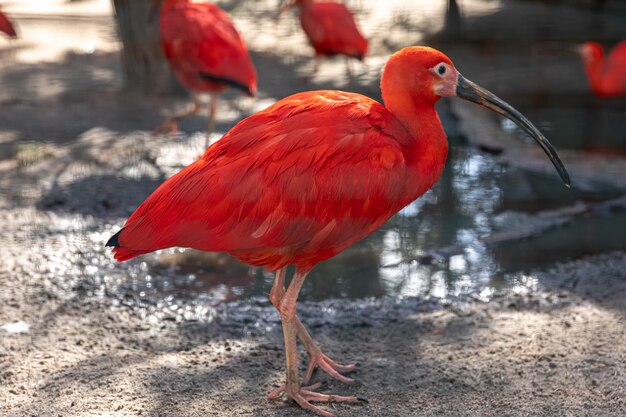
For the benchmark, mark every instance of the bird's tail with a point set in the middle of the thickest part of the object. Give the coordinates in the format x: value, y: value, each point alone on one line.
x: 122, y: 254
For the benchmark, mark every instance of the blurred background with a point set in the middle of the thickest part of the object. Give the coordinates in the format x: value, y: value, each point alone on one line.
x: 86, y: 82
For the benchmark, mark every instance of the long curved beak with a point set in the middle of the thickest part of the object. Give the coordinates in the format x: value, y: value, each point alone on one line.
x: 469, y: 91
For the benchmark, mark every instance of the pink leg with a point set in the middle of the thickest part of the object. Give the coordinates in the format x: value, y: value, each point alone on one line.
x: 212, y: 111
x: 170, y: 124
x: 316, y: 65
x: 316, y: 357
x: 348, y: 68
x: 303, y: 396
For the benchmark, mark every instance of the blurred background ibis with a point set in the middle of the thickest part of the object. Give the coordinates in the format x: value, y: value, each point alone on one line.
x: 331, y: 30
x: 206, y: 54
x: 606, y: 73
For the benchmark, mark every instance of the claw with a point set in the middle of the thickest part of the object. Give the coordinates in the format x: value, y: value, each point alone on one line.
x: 305, y: 395
x: 304, y: 398
x: 329, y: 366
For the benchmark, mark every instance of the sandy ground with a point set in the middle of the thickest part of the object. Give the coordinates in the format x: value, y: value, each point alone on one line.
x: 73, y: 342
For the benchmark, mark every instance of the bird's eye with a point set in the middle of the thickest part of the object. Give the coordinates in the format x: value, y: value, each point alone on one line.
x: 441, y: 69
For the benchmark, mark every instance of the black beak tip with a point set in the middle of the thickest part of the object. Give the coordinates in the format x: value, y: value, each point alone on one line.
x: 560, y: 168
x: 567, y: 181
x: 564, y: 176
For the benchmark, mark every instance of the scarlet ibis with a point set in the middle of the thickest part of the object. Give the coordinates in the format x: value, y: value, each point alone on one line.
x: 6, y: 26
x: 306, y: 178
x: 331, y: 29
x: 607, y: 76
x: 206, y: 54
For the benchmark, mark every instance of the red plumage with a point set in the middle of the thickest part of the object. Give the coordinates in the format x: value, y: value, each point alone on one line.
x: 293, y: 184
x: 204, y: 49
x: 606, y: 75
x: 331, y: 29
x: 6, y: 26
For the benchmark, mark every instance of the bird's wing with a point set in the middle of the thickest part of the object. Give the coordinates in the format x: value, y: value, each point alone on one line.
x: 315, y: 171
x: 6, y: 26
x: 199, y: 39
x: 332, y: 29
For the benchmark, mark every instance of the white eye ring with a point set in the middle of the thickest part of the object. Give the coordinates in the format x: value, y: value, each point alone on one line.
x: 440, y: 69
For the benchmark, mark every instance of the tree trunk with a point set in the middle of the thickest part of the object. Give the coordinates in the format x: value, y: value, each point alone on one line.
x: 145, y: 68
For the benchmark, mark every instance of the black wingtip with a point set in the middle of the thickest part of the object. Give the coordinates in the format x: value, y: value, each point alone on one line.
x: 229, y: 82
x: 362, y: 399
x: 114, y: 241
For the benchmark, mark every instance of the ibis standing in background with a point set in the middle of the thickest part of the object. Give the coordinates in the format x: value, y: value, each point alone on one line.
x: 6, y: 26
x: 606, y: 75
x: 206, y: 54
x: 331, y: 29
x: 305, y: 179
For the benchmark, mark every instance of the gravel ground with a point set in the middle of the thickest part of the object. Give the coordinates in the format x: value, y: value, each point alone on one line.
x: 544, y: 351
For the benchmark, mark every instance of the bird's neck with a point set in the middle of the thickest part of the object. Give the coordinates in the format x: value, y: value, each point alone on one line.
x: 426, y: 153
x: 595, y: 72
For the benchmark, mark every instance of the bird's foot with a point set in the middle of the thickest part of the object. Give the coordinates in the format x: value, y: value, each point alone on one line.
x: 168, y: 127
x: 272, y: 395
x: 305, y: 395
x: 326, y: 364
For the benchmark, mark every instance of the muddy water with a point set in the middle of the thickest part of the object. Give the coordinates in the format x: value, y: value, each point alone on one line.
x: 441, y: 245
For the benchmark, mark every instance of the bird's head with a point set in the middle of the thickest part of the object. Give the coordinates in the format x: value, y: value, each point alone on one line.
x: 419, y: 73
x: 418, y: 76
